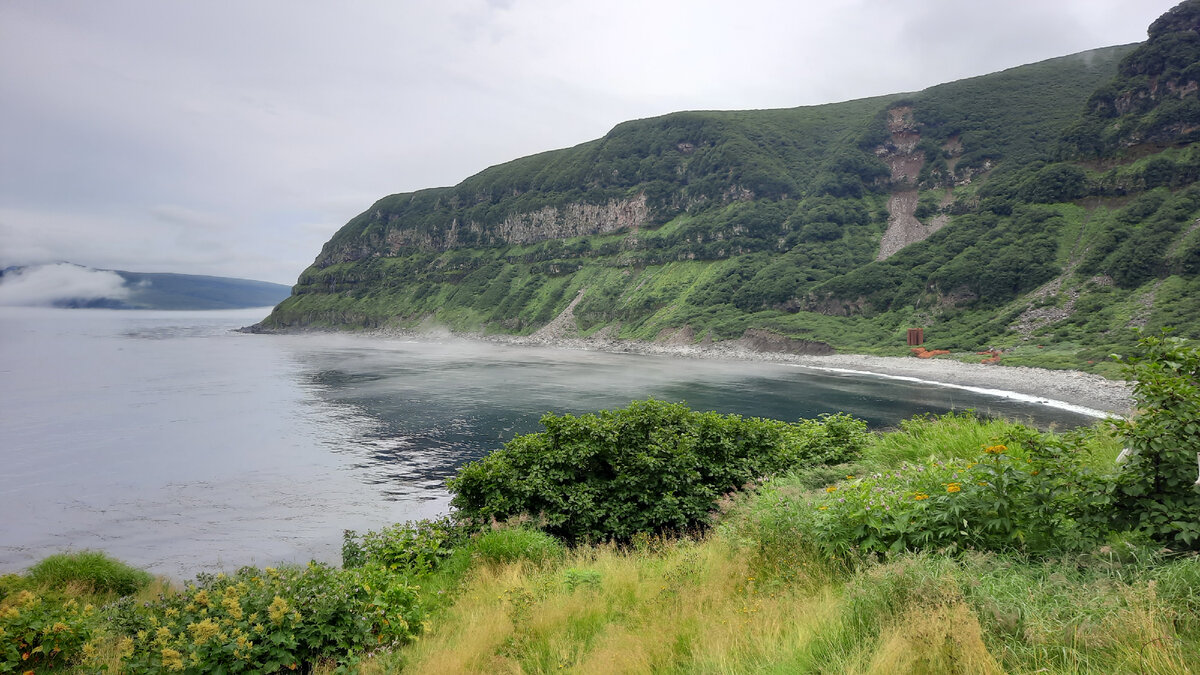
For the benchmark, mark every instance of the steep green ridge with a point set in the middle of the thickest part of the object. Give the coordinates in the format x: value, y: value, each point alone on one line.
x: 1013, y: 210
x: 164, y: 290
x: 143, y: 290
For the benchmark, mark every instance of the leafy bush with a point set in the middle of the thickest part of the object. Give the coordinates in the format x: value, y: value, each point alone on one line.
x: 39, y: 632
x: 518, y: 543
x: 1157, y: 491
x: 93, y: 570
x: 1038, y: 500
x: 267, y: 620
x: 415, y: 547
x: 651, y: 467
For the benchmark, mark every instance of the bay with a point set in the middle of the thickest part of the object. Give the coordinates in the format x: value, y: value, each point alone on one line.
x: 172, y: 442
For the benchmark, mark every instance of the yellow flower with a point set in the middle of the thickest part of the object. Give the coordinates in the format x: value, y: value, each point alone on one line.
x: 953, y: 487
x: 171, y: 659
x: 831, y: 488
x: 278, y: 609
x: 995, y: 449
x: 125, y: 646
x: 920, y: 495
x: 231, y: 605
x: 822, y: 508
x: 201, y: 598
x: 203, y: 631
x: 850, y: 477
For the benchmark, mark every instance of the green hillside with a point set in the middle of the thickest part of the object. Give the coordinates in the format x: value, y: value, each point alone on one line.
x: 1042, y: 210
x: 196, y: 291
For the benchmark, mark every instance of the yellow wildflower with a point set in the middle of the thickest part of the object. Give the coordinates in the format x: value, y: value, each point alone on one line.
x: 125, y: 646
x: 201, y: 598
x: 171, y: 659
x: 278, y: 609
x: 203, y: 631
x: 953, y: 487
x: 995, y: 449
x: 920, y: 495
x: 831, y: 488
x: 163, y: 634
x: 822, y: 508
x: 60, y: 627
x: 231, y: 605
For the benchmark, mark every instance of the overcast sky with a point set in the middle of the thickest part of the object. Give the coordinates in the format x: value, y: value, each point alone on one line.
x: 233, y: 137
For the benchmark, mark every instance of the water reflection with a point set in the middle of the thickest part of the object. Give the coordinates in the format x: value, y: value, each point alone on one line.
x: 422, y: 409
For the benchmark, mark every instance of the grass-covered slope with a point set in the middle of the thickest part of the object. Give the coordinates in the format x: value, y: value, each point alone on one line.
x: 1027, y: 214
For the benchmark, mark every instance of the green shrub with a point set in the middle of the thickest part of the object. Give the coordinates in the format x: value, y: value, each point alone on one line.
x: 93, y: 570
x: 268, y: 620
x: 651, y: 467
x: 518, y: 543
x: 416, y: 547
x: 39, y: 632
x: 1157, y: 490
x: 1039, y: 500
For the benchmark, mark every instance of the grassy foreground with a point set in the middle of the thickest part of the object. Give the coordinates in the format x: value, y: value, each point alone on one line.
x: 752, y: 595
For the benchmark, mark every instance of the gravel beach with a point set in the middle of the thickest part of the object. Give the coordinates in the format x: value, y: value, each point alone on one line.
x: 1076, y: 388
x: 1090, y: 394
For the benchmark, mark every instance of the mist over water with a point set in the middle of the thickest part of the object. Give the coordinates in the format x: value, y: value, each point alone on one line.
x: 173, y: 443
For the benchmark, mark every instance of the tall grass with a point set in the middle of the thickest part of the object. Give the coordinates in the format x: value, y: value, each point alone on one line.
x: 90, y: 572
x: 757, y: 596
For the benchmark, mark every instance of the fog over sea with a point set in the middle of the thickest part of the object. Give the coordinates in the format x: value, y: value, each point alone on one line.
x: 172, y: 442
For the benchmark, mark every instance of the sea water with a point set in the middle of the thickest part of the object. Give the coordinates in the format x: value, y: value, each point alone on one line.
x: 170, y: 441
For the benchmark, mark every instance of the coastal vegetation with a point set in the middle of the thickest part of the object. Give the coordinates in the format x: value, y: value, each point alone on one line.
x: 950, y: 544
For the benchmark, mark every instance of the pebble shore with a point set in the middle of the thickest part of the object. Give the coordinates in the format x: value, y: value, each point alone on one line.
x: 1076, y: 388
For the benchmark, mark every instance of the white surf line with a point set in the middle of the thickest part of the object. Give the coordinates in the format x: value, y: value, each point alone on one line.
x: 1002, y: 393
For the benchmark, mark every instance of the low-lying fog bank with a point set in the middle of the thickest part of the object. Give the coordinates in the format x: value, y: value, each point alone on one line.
x: 1073, y: 387
x: 1083, y: 392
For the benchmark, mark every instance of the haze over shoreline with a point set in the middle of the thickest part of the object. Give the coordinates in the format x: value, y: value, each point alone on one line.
x: 1081, y: 392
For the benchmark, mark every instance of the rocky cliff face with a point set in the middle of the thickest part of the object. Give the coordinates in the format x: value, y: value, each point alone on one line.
x: 1155, y: 98
x: 549, y: 222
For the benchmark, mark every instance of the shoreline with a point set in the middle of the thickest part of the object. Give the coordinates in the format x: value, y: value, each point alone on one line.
x: 1073, y: 390
x: 1069, y: 389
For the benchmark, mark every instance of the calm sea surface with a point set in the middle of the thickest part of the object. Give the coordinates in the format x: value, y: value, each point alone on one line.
x: 173, y: 443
